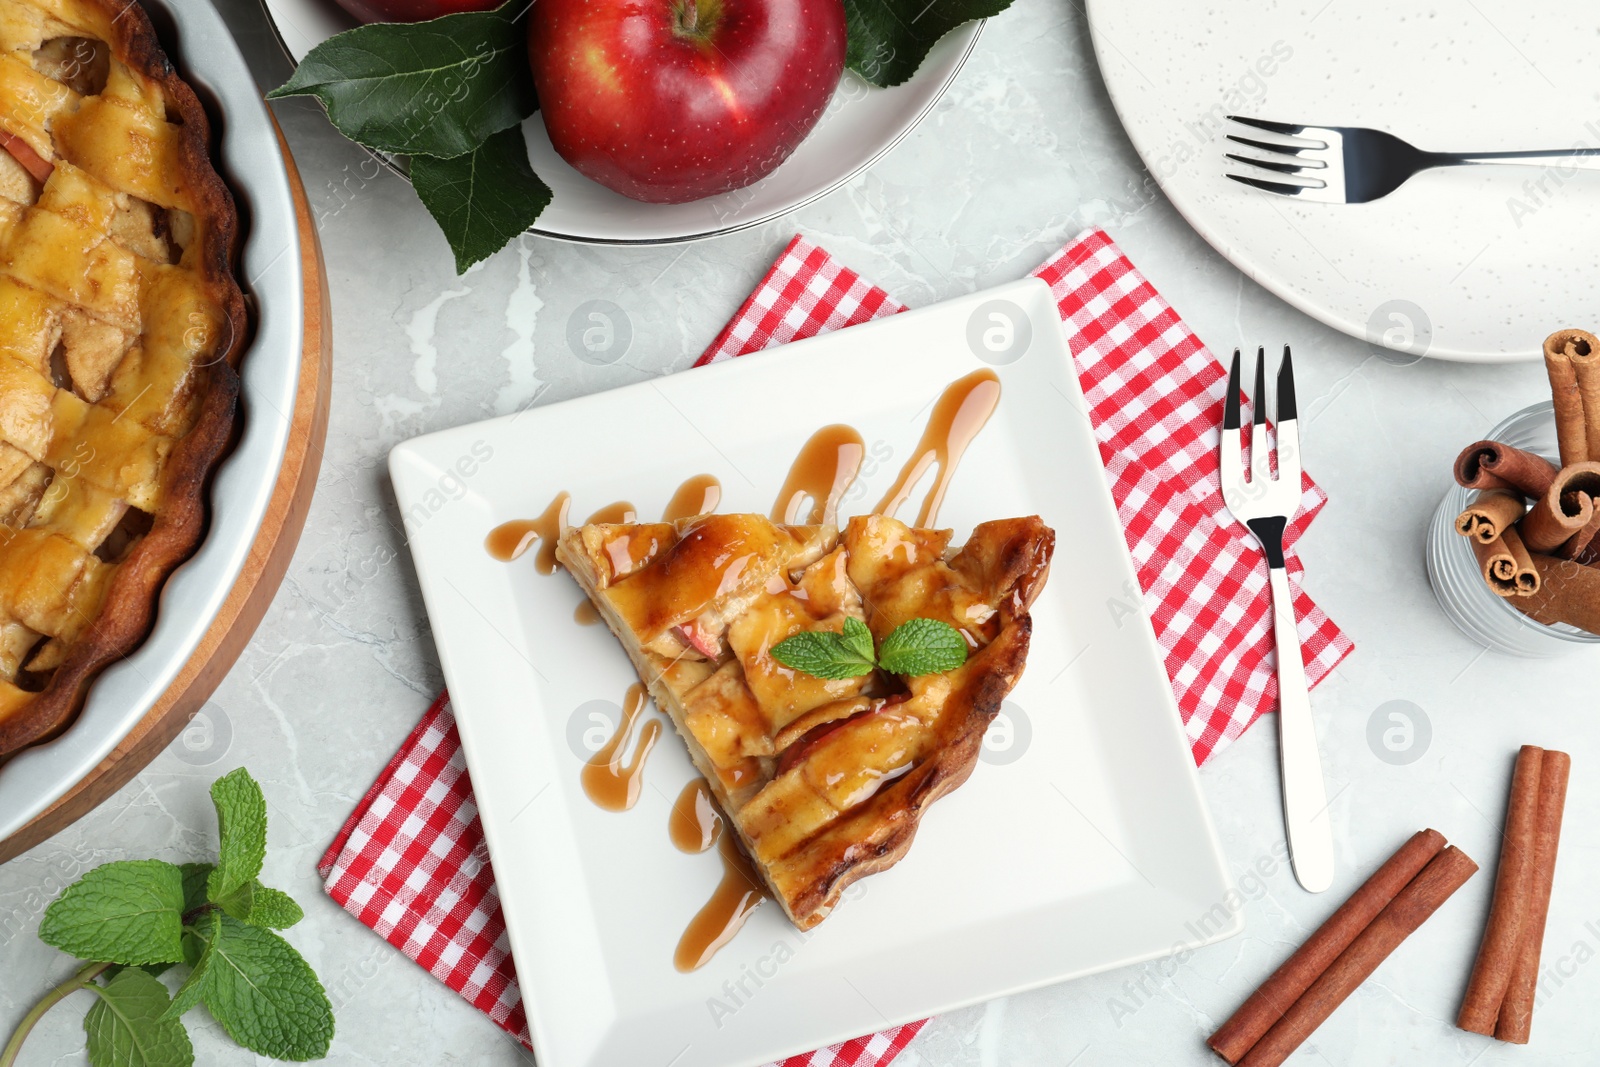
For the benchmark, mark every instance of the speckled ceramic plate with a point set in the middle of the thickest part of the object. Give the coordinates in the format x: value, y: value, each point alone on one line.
x: 1467, y: 263
x: 198, y: 42
x: 860, y: 125
x: 1079, y: 844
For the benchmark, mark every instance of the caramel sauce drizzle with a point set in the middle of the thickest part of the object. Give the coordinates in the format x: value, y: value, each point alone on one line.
x: 821, y: 473
x: 511, y: 539
x: 585, y: 614
x: 695, y: 825
x: 959, y: 413
x: 698, y: 495
x: 609, y: 781
x: 620, y: 511
x: 695, y: 822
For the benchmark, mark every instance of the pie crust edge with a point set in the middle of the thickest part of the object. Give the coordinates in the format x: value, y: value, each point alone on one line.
x: 131, y: 601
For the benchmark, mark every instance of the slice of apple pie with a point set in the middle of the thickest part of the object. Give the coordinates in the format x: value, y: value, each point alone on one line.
x: 823, y: 778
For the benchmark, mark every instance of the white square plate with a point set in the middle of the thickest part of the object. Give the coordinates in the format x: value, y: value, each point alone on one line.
x: 1080, y: 843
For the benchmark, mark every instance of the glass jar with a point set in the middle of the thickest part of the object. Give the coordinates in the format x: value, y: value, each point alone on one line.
x: 1453, y: 568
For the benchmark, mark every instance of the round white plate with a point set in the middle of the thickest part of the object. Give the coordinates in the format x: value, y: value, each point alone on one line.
x: 200, y: 46
x: 1470, y: 263
x: 860, y: 124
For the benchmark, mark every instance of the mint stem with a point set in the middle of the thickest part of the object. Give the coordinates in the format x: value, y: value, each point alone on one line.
x: 86, y: 974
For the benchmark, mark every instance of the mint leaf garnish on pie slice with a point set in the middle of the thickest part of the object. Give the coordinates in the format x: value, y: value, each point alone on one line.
x: 827, y: 653
x: 889, y: 39
x: 922, y: 646
x: 127, y: 912
x: 436, y: 88
x: 126, y: 1027
x: 917, y: 646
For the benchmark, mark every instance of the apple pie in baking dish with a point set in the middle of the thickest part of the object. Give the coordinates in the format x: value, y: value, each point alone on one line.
x: 824, y: 778
x: 120, y: 324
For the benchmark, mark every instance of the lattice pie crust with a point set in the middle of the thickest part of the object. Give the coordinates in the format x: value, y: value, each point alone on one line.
x: 120, y: 328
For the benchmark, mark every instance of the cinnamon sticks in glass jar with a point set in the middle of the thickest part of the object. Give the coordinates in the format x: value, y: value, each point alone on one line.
x: 1521, y: 548
x: 1343, y: 952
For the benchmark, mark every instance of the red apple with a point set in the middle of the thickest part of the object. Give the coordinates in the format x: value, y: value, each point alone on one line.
x: 673, y: 100
x: 412, y: 10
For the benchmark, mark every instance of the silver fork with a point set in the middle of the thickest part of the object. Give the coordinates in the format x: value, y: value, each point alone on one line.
x: 1354, y: 165
x: 1266, y: 505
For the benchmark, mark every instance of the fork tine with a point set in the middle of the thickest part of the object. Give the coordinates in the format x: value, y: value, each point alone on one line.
x: 1260, y: 458
x: 1288, y: 425
x: 1286, y: 128
x: 1274, y: 187
x: 1286, y: 408
x: 1297, y: 169
x: 1230, y: 457
x: 1230, y: 407
x: 1290, y: 150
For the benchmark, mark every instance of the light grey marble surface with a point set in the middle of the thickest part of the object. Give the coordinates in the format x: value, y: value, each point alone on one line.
x: 1023, y: 153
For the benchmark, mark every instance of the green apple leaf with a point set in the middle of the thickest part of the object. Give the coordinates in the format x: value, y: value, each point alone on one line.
x: 889, y: 39
x: 436, y: 88
x: 125, y: 1026
x: 483, y: 199
x: 127, y: 912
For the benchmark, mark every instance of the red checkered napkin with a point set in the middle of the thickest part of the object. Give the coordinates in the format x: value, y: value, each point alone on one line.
x: 411, y: 861
x: 1155, y: 398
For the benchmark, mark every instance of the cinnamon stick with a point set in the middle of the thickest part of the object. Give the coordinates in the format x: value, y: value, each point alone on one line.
x: 1513, y: 888
x: 1572, y: 435
x: 1285, y: 985
x: 1515, y: 1023
x: 1492, y: 465
x: 1507, y: 566
x: 1582, y: 350
x: 1564, y: 509
x: 1410, y: 908
x: 1568, y: 593
x: 1490, y: 512
x: 1583, y: 546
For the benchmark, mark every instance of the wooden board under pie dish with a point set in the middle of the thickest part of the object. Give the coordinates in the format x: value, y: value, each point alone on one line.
x: 263, y: 572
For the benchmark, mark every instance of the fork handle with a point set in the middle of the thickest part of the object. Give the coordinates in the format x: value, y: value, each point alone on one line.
x: 1579, y: 158
x: 1305, y: 799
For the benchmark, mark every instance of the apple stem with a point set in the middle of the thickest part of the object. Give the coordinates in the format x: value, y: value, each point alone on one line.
x: 691, y: 16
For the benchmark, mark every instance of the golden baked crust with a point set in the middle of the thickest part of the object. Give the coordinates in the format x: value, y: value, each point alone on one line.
x: 825, y: 781
x: 121, y: 325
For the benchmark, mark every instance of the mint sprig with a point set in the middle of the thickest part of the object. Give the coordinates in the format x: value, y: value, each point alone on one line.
x: 916, y: 646
x: 134, y: 919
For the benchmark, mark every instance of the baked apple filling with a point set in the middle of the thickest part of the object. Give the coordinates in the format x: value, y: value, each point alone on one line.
x: 824, y: 779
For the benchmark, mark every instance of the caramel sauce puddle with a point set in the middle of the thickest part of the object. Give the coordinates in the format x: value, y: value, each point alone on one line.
x: 821, y: 473
x: 610, y: 781
x: 511, y: 539
x: 698, y: 495
x: 959, y: 413
x: 694, y: 826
